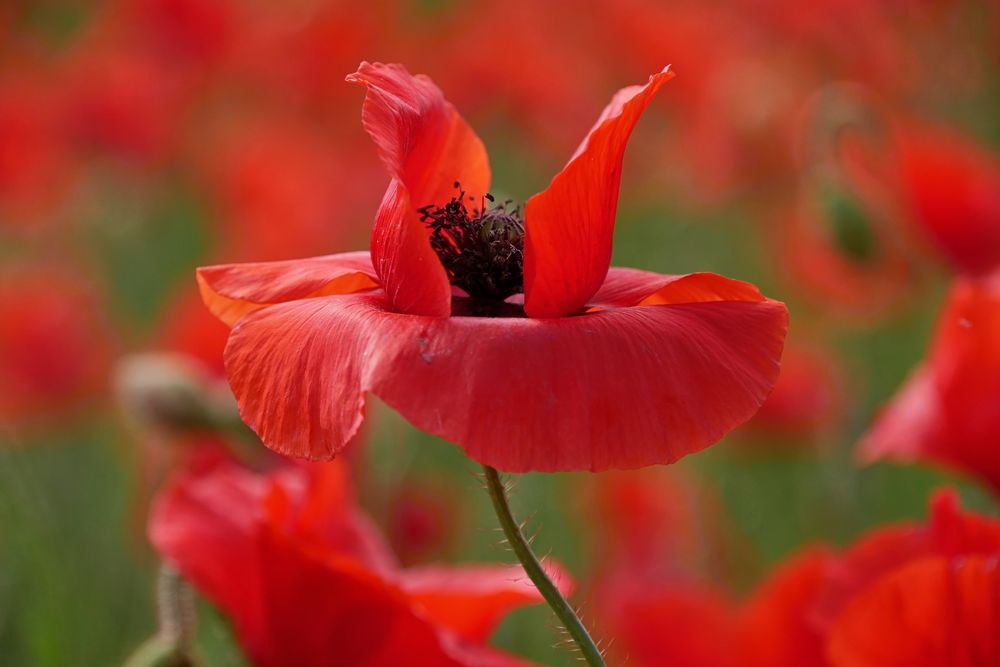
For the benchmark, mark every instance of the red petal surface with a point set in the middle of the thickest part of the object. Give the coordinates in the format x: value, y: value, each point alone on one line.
x: 776, y: 626
x: 618, y: 388
x: 625, y: 287
x: 569, y: 226
x: 676, y: 624
x: 947, y: 412
x: 930, y: 613
x: 427, y: 147
x: 420, y: 137
x: 404, y: 260
x: 232, y: 290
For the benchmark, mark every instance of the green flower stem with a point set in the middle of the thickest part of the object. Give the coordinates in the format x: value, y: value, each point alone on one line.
x: 563, y: 610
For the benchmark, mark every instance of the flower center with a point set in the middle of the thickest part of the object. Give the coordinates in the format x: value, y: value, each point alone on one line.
x: 482, y: 249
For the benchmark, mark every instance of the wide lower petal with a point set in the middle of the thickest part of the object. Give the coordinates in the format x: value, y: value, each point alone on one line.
x: 617, y: 388
x: 570, y: 225
x: 232, y: 290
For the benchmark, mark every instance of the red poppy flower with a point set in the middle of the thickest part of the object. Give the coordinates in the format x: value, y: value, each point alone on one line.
x: 307, y: 580
x: 952, y: 187
x: 611, y: 368
x: 947, y: 410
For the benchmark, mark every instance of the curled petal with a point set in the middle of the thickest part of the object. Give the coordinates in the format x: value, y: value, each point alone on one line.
x: 420, y: 137
x: 569, y: 226
x: 625, y: 287
x: 232, y: 290
x: 427, y: 147
x: 618, y: 388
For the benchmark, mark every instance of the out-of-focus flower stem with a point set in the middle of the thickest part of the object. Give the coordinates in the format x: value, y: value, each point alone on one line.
x: 562, y: 609
x: 172, y: 644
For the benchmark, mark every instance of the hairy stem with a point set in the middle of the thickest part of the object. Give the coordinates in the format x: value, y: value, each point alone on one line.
x: 561, y: 608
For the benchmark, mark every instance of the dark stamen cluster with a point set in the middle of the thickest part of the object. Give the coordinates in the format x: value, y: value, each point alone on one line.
x: 482, y: 249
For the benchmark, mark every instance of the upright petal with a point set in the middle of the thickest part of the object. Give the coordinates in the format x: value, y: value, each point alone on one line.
x: 427, y: 148
x: 569, y: 226
x: 232, y: 290
x: 420, y: 137
x: 409, y: 269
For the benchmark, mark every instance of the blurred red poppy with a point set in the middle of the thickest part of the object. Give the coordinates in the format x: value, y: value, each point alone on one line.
x: 807, y: 398
x: 655, y: 534
x: 952, y: 188
x: 422, y: 520
x: 55, y: 348
x: 947, y: 411
x: 775, y: 627
x: 820, y: 608
x: 307, y: 580
x: 610, y: 369
x: 838, y: 240
x: 273, y: 168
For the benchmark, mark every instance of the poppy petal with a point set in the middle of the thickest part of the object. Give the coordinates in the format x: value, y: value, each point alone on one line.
x: 624, y: 287
x: 946, y: 413
x: 406, y: 264
x: 776, y: 628
x: 421, y: 139
x: 232, y: 290
x: 427, y: 148
x: 570, y: 225
x: 471, y: 601
x: 931, y: 612
x: 618, y: 388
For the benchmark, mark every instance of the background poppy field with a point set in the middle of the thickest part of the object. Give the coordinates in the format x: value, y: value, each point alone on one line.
x: 842, y: 155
